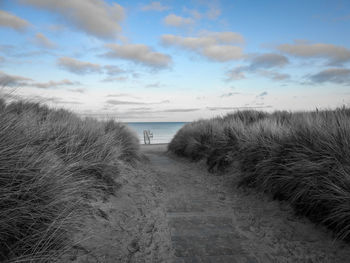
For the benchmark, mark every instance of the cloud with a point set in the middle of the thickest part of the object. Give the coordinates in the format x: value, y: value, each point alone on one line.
x: 115, y: 79
x: 54, y: 84
x: 95, y: 17
x: 123, y: 102
x: 332, y: 75
x: 269, y: 60
x: 77, y: 66
x: 258, y: 65
x: 235, y: 74
x: 2, y: 60
x: 7, y: 80
x: 12, y: 21
x: 178, y: 21
x: 274, y: 75
x: 335, y: 55
x: 155, y: 6
x: 229, y: 94
x: 43, y: 41
x: 138, y: 53
x: 113, y: 70
x: 154, y: 85
x: 180, y: 110
x: 121, y: 95
x: 239, y: 108
x: 263, y: 94
x: 217, y: 46
x: 78, y: 90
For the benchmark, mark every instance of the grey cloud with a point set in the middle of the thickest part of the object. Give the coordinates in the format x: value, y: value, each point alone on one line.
x: 238, y: 108
x: 95, y: 17
x: 258, y: 64
x: 78, y: 90
x: 269, y: 60
x: 77, y: 66
x: 122, y: 95
x: 154, y: 85
x: 155, y: 6
x: 115, y: 79
x: 7, y: 80
x: 180, y: 110
x: 274, y: 75
x: 229, y: 94
x: 332, y: 75
x: 217, y: 46
x: 139, y: 53
x: 113, y: 70
x: 235, y: 74
x: 12, y: 21
x: 43, y: 41
x: 122, y: 102
x: 262, y: 94
x: 178, y: 21
x: 333, y: 53
x: 54, y: 84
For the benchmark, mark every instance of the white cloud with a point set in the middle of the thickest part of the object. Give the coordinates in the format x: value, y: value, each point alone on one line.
x: 77, y: 66
x: 95, y: 17
x: 43, y: 41
x: 333, y: 53
x: 138, y: 53
x: 178, y: 21
x: 12, y: 21
x: 155, y: 6
x: 213, y: 45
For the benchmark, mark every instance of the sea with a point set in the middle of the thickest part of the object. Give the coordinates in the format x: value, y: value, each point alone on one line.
x: 163, y: 132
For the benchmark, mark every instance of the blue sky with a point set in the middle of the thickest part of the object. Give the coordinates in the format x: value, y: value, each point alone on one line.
x: 175, y: 60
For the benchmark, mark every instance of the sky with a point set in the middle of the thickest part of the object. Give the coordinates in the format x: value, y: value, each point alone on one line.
x: 175, y: 60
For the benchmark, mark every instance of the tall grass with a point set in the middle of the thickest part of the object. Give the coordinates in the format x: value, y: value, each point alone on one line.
x: 302, y: 157
x: 52, y: 163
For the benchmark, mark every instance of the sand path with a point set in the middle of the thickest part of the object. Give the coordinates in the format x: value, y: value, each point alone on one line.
x: 210, y: 220
x: 172, y: 210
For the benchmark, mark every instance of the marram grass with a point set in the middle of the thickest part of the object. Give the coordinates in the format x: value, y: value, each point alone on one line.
x: 301, y: 157
x: 51, y: 164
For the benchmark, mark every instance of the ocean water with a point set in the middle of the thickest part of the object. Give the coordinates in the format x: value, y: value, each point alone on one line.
x: 163, y: 132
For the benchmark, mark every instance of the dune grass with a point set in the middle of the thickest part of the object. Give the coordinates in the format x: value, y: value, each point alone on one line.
x: 301, y: 157
x: 52, y: 164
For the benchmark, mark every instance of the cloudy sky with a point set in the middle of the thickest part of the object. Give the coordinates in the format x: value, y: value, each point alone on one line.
x: 176, y: 60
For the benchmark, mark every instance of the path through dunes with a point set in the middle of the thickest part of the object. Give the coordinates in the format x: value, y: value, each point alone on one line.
x: 171, y: 210
x: 210, y: 220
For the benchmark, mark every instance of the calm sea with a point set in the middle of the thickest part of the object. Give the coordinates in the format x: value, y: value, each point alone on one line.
x: 163, y: 132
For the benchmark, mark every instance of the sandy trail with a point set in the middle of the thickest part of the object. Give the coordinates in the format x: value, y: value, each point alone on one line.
x: 172, y: 210
x: 210, y: 220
